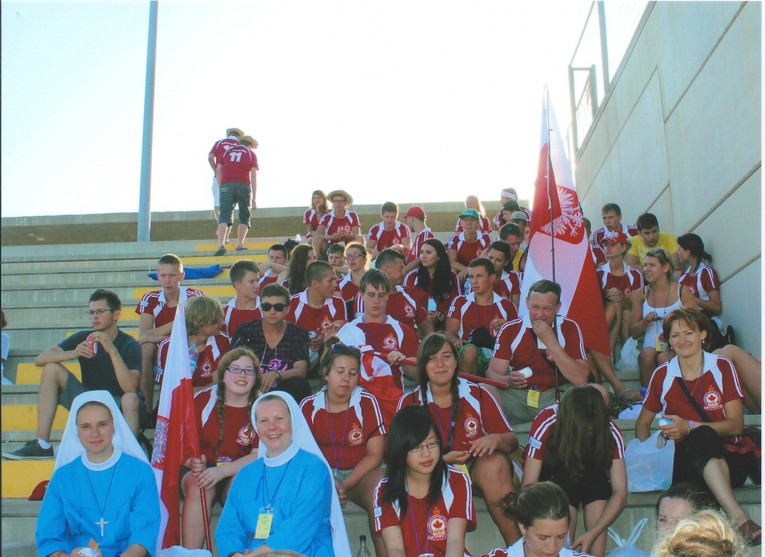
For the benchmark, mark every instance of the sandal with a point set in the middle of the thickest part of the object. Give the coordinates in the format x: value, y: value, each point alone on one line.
x: 751, y: 532
x: 631, y: 396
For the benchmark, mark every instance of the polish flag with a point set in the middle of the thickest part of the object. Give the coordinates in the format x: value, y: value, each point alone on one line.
x: 176, y: 437
x: 557, y: 224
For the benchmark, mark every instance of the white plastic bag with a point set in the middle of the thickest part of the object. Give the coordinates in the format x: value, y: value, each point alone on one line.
x: 626, y: 548
x: 648, y: 467
x: 628, y: 359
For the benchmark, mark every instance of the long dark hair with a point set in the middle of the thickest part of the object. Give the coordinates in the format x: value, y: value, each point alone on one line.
x: 409, y: 428
x: 429, y: 348
x: 297, y: 266
x: 581, y: 440
x: 694, y: 244
x: 443, y: 279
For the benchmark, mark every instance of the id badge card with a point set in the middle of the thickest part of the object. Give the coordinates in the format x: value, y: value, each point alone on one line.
x: 532, y: 399
x: 263, y: 528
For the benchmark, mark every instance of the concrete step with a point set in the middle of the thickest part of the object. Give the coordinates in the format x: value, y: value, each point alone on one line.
x: 19, y: 517
x: 27, y: 373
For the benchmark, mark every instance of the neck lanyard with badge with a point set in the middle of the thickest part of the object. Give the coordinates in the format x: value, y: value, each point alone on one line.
x: 450, y: 439
x: 414, y: 525
x: 265, y: 516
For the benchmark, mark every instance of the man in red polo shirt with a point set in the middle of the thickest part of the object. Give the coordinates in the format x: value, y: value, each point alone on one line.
x: 236, y: 175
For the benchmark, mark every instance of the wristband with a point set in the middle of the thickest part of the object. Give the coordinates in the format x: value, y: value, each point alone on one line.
x: 692, y: 425
x: 278, y: 374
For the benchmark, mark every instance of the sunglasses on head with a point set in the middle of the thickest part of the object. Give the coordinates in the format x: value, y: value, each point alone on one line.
x: 265, y: 306
x: 340, y: 348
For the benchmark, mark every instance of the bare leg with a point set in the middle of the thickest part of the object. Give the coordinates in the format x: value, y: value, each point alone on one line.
x: 241, y: 234
x: 363, y: 495
x: 52, y: 382
x: 749, y: 370
x: 717, y: 476
x: 130, y: 404
x: 222, y: 233
x: 572, y: 524
x: 592, y: 513
x: 647, y: 363
x: 606, y: 368
x: 148, y: 352
x: 494, y: 477
x: 192, y: 520
x: 469, y: 359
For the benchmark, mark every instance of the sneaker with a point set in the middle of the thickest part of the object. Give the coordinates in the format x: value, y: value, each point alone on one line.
x: 30, y: 451
x: 221, y: 251
x: 241, y: 248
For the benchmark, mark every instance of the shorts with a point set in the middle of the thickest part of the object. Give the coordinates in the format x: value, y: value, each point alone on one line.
x: 514, y: 403
x: 74, y: 388
x: 697, y: 449
x: 483, y: 357
x: 216, y: 192
x: 592, y: 486
x: 232, y: 194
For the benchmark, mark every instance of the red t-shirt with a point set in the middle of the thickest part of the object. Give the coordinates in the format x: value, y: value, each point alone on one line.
x: 485, y: 226
x: 311, y: 218
x: 207, y: 360
x: 509, y: 284
x: 597, y: 236
x: 342, y: 436
x: 221, y: 146
x: 598, y: 255
x: 631, y: 280
x: 718, y: 385
x: 239, y: 436
x: 344, y: 225
x: 347, y: 287
x: 155, y: 303
x: 417, y: 243
x: 424, y: 527
x: 478, y: 415
x: 402, y: 306
x: 233, y: 317
x: 543, y: 426
x: 237, y: 163
x: 421, y: 295
x: 315, y: 320
x: 472, y: 316
x: 516, y: 344
x: 388, y: 238
x: 467, y: 251
x: 703, y: 282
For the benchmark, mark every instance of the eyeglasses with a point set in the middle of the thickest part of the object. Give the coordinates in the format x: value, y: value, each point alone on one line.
x: 265, y: 306
x: 340, y: 348
x: 430, y: 446
x: 341, y: 200
x: 93, y: 312
x: 353, y: 255
x: 241, y: 370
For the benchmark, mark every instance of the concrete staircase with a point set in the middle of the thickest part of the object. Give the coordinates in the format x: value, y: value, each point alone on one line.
x: 44, y: 296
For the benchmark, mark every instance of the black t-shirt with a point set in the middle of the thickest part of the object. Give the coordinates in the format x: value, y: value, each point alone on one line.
x: 292, y: 348
x: 98, y: 371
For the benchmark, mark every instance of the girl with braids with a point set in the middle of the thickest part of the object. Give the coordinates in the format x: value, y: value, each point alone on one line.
x: 698, y: 275
x: 544, y: 516
x: 474, y: 433
x: 347, y: 423
x: 293, y: 279
x: 575, y: 445
x: 422, y: 506
x: 227, y: 439
x: 434, y: 283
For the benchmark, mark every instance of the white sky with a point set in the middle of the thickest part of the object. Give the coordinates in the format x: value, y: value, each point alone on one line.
x: 403, y: 100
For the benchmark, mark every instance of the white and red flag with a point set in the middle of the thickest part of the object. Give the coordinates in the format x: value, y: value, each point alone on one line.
x: 558, y: 245
x: 176, y: 438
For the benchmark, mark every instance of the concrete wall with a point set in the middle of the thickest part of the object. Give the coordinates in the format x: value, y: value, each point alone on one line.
x: 679, y: 135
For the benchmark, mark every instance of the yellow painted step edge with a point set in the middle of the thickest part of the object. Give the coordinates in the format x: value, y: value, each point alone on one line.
x: 249, y: 245
x: 23, y: 417
x: 20, y: 477
x: 29, y: 374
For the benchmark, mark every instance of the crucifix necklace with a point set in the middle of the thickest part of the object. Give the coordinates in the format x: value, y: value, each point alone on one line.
x: 101, y: 509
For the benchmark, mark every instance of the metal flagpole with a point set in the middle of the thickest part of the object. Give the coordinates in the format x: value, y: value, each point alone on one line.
x: 552, y: 225
x: 144, y: 210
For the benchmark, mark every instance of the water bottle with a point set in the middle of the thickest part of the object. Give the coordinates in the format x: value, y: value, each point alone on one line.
x: 298, y: 239
x: 363, y: 550
x: 193, y: 357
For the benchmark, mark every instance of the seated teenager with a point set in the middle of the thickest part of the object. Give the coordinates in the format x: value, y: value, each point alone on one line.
x: 103, y: 488
x: 347, y: 423
x: 422, y: 506
x: 281, y: 346
x: 286, y: 499
x: 226, y: 440
x: 474, y: 432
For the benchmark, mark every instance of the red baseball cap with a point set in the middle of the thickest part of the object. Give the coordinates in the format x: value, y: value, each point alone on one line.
x: 416, y: 211
x: 615, y: 236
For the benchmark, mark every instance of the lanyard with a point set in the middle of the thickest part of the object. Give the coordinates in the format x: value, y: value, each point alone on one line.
x: 453, y: 420
x: 269, y: 498
x: 414, y: 524
x: 332, y: 433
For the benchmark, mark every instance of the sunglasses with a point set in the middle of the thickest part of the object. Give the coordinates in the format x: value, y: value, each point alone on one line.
x: 265, y: 306
x: 344, y: 349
